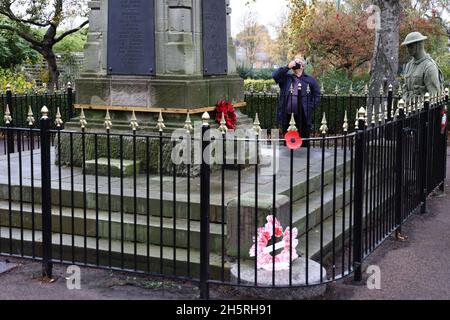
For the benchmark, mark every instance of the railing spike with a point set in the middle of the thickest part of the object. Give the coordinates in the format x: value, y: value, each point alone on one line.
x: 83, y: 122
x: 257, y: 125
x: 188, y: 123
x: 7, y: 117
x: 206, y: 118
x: 133, y: 122
x: 292, y: 124
x: 324, y: 127
x: 350, y: 91
x: 345, y: 126
x: 374, y: 116
x: 44, y: 112
x: 223, y: 124
x: 108, y: 123
x: 160, y: 125
x: 30, y: 117
x: 58, y: 118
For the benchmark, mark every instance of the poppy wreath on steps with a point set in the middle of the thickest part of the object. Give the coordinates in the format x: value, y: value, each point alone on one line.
x: 225, y: 107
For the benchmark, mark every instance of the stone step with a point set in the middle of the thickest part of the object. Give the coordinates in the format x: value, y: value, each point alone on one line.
x: 63, y: 216
x: 341, y: 232
x: 148, y: 258
x: 115, y: 200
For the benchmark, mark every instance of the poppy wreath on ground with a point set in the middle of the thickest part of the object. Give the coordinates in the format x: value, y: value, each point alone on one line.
x: 262, y: 249
x: 229, y: 113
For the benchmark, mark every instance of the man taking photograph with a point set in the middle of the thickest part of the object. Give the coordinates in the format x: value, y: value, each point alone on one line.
x: 300, y: 103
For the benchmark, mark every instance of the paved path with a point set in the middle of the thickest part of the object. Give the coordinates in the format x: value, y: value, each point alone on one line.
x: 417, y: 269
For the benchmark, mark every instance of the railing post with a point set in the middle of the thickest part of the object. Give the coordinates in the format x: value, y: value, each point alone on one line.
x: 47, y: 264
x: 424, y: 127
x: 69, y: 101
x: 359, y: 196
x: 10, y: 137
x: 204, y: 210
x: 399, y: 170
x: 445, y: 142
x: 390, y: 102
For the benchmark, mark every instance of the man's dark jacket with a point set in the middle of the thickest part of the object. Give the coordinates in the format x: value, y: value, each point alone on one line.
x: 285, y: 79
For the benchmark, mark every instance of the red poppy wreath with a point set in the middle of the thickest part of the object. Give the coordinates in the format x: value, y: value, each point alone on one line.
x: 229, y: 113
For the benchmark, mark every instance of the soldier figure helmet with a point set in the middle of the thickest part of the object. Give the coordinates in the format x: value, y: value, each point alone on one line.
x: 414, y: 37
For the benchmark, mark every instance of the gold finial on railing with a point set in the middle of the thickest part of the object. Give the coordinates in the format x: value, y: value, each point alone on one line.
x: 324, y: 127
x: 400, y: 106
x: 108, y: 122
x: 133, y: 122
x: 257, y: 125
x: 322, y: 89
x: 7, y: 117
x: 350, y: 91
x: 357, y: 120
x: 308, y: 89
x: 381, y: 90
x: 380, y: 114
x: 291, y: 89
x: 69, y: 85
x: 45, y: 87
x: 400, y: 92
x: 336, y: 90
x: 391, y: 88
x: 366, y: 90
x: 205, y: 119
x: 386, y: 115
x: 292, y: 124
x: 58, y: 118
x: 30, y: 117
x: 264, y: 88
x: 427, y: 97
x: 362, y: 114
x: 55, y: 88
x: 8, y: 87
x: 160, y: 125
x: 223, y: 124
x: 188, y: 123
x: 44, y: 112
x: 374, y: 116
x: 345, y: 126
x: 83, y: 122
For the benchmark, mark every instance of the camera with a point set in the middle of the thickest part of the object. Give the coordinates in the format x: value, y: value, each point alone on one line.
x: 297, y: 66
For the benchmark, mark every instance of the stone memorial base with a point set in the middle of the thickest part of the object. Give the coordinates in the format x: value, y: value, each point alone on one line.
x: 158, y: 92
x: 247, y: 277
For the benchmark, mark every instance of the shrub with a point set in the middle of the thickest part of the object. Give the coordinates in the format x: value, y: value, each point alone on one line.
x: 17, y: 80
x: 258, y: 85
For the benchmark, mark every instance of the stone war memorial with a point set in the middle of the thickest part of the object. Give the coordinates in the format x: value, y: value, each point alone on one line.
x: 151, y: 55
x: 276, y: 216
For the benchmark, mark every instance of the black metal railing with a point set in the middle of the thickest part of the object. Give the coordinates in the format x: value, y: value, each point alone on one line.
x: 278, y: 218
x: 19, y: 105
x: 335, y: 106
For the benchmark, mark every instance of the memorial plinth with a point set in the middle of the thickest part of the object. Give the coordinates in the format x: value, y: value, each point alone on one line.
x: 158, y: 54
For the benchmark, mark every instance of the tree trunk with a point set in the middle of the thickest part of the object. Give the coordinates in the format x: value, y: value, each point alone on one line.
x: 385, y: 60
x: 52, y: 68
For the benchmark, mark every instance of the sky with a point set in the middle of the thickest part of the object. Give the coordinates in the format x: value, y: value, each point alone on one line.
x: 267, y: 11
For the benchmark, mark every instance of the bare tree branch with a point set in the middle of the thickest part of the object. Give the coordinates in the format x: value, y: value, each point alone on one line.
x: 69, y: 32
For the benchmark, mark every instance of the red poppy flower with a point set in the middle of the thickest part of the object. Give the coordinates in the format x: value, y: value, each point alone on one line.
x: 293, y: 140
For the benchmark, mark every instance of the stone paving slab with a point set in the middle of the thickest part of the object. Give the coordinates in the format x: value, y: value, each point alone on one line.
x: 5, y: 266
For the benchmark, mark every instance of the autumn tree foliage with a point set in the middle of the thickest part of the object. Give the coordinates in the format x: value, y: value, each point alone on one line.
x: 335, y: 39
